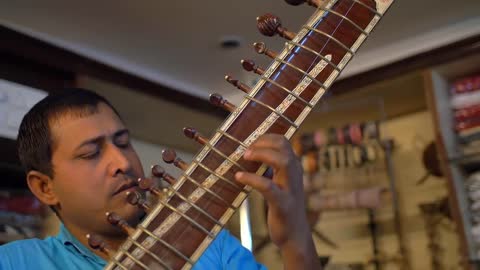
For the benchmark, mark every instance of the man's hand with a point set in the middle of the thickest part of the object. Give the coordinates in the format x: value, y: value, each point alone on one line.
x: 287, y: 219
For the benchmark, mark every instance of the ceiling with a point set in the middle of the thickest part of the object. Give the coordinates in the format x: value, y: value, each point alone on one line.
x: 176, y: 43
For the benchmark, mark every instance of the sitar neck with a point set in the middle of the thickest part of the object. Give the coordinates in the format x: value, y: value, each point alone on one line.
x: 180, y: 228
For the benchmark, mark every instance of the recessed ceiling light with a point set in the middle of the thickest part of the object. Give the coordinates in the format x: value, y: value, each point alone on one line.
x: 230, y: 42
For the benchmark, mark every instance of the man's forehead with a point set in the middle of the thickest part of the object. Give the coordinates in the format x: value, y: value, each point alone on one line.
x: 76, y: 126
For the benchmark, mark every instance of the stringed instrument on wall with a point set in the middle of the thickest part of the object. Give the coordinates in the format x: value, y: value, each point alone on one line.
x: 179, y: 228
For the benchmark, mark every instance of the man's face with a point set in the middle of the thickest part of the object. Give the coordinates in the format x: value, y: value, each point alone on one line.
x: 93, y: 161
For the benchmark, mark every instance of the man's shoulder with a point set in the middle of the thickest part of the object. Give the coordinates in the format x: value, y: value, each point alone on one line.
x: 48, y: 254
x: 23, y: 245
x: 15, y: 253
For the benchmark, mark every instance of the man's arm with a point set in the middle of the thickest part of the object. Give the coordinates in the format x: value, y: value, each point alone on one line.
x: 287, y: 218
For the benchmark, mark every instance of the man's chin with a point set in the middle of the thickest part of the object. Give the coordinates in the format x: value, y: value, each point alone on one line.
x: 130, y: 213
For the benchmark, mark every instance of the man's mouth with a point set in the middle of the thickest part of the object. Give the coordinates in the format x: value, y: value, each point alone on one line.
x: 130, y: 186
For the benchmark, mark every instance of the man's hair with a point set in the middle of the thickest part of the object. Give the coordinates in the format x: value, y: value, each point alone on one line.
x: 35, y: 143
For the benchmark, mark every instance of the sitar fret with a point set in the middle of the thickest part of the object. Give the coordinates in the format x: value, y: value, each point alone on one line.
x: 151, y: 254
x: 303, y: 72
x: 161, y: 221
x: 210, y: 192
x: 198, y: 208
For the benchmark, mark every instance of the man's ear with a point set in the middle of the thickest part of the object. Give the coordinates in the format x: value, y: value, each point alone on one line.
x: 41, y: 186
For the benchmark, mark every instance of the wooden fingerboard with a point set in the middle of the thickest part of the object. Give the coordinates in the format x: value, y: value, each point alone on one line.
x: 175, y: 232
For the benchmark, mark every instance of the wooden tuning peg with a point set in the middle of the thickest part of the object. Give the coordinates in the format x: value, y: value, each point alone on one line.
x: 313, y: 3
x: 261, y: 48
x: 170, y: 156
x: 249, y: 65
x: 135, y: 198
x: 116, y: 220
x: 195, y: 135
x: 148, y: 184
x: 96, y: 243
x: 219, y: 101
x: 158, y: 171
x: 238, y: 84
x: 269, y: 25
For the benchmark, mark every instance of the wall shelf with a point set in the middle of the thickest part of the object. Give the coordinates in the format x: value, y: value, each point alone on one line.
x: 455, y: 163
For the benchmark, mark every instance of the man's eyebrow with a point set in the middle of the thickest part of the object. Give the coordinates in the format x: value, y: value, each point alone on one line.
x: 96, y: 140
x: 121, y: 132
x: 99, y: 139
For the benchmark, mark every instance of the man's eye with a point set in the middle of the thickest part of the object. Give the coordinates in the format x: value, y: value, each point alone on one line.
x: 123, y: 143
x: 91, y: 155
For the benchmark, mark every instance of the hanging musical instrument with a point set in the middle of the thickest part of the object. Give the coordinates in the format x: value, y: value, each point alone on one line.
x: 179, y: 228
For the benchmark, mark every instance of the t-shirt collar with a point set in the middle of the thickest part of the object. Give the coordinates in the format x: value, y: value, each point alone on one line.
x: 68, y: 240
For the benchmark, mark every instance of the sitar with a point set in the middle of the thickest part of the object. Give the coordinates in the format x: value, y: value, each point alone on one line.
x: 182, y: 224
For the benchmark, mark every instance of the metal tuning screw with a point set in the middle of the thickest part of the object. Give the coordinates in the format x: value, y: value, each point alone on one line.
x: 261, y: 48
x: 96, y: 243
x: 238, y: 84
x: 269, y: 25
x: 170, y: 156
x: 116, y: 220
x: 219, y: 101
x: 135, y: 198
x: 159, y: 171
x: 195, y: 135
x: 313, y: 3
x: 249, y: 66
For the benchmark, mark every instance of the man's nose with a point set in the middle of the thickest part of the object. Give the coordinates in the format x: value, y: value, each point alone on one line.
x: 119, y: 162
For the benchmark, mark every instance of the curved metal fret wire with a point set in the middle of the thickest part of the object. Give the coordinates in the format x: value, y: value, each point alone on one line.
x: 331, y: 37
x: 294, y: 45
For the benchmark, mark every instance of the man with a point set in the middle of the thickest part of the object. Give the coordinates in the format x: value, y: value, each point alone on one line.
x: 78, y: 157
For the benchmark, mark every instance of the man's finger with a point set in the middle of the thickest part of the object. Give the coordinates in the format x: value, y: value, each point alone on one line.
x: 270, y: 191
x: 268, y: 156
x: 274, y: 141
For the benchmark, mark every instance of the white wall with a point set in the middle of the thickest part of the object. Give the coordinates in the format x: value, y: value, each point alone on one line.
x: 15, y: 101
x: 151, y: 154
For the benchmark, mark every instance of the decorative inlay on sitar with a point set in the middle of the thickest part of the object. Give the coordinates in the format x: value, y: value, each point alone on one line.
x: 180, y: 227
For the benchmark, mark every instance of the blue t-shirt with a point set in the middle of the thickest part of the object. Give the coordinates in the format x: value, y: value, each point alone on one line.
x: 64, y: 251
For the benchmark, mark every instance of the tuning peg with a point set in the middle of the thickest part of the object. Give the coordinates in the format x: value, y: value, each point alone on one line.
x: 312, y: 3
x: 261, y: 48
x: 269, y: 25
x: 238, y: 84
x: 116, y: 220
x: 148, y: 184
x: 135, y: 198
x: 158, y: 171
x: 170, y: 156
x: 219, y: 101
x: 96, y: 243
x: 195, y: 135
x: 249, y: 65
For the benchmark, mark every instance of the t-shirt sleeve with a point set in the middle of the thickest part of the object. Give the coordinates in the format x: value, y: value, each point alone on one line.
x: 3, y: 260
x: 235, y: 256
x: 8, y: 252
